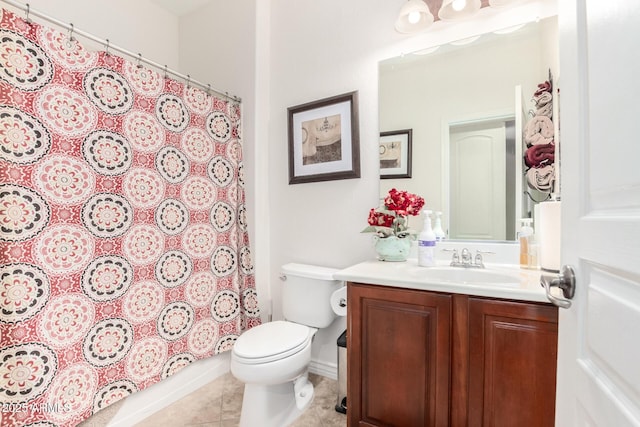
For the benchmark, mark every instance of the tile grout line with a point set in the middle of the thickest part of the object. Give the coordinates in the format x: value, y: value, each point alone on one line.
x: 222, y: 391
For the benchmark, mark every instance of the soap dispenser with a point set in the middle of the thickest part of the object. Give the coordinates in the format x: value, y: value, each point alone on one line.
x: 525, y: 237
x: 437, y: 228
x: 426, y: 242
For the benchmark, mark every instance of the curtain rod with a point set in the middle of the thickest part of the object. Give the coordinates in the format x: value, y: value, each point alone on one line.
x: 26, y: 8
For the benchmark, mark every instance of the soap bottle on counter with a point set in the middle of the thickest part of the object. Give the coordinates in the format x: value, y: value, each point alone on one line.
x: 525, y: 237
x: 426, y: 242
x: 437, y: 228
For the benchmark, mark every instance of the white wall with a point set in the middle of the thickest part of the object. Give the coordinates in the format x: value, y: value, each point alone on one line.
x: 318, y: 50
x: 139, y: 26
x: 321, y: 49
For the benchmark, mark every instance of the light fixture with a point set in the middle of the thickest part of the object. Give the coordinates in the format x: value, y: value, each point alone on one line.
x: 414, y: 16
x: 458, y: 9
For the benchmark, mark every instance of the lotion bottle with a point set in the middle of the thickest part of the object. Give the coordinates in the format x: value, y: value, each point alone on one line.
x: 437, y: 228
x: 525, y: 237
x: 426, y: 243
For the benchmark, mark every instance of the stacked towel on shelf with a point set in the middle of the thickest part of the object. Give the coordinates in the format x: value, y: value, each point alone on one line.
x: 542, y: 179
x: 539, y: 156
x: 539, y: 130
x: 542, y: 99
x: 543, y: 87
x: 546, y: 110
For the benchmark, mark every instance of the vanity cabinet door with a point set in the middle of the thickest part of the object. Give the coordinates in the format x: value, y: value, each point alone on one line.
x: 399, y: 356
x: 512, y: 363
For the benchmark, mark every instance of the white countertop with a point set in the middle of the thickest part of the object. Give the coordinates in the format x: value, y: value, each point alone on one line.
x: 409, y: 275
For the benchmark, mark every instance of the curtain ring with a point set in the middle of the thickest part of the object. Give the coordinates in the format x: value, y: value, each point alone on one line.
x: 106, y: 47
x: 71, y: 38
x: 165, y: 71
x: 188, y: 81
x: 208, y: 89
x: 139, y: 62
x: 27, y: 20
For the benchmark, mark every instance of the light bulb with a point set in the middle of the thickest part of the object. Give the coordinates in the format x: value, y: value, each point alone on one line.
x: 458, y: 5
x: 414, y: 17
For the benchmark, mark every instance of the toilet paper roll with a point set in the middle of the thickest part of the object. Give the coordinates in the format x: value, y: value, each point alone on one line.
x: 339, y: 301
x: 549, y: 235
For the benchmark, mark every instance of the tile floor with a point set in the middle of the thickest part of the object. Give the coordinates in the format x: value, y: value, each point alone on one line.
x: 218, y: 404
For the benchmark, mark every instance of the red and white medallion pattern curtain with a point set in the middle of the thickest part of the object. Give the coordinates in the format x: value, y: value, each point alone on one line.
x: 123, y: 236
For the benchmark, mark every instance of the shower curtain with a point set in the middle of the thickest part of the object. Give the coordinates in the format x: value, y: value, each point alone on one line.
x: 123, y: 234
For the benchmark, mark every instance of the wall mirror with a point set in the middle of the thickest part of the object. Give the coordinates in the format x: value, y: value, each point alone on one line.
x: 465, y: 104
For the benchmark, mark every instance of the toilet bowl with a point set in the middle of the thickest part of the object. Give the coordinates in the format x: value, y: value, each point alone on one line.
x: 271, y: 370
x: 273, y: 359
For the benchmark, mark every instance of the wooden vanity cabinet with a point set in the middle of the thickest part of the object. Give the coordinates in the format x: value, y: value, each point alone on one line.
x: 398, y: 353
x: 512, y: 363
x: 420, y: 358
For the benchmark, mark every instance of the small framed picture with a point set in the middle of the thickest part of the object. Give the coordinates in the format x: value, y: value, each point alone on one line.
x: 395, y: 154
x: 324, y: 140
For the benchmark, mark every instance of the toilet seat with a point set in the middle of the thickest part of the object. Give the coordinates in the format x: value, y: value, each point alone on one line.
x: 271, y: 341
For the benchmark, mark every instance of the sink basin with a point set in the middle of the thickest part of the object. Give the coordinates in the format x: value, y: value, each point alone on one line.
x: 468, y: 276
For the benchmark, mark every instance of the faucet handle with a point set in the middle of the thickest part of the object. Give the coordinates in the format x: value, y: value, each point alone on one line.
x: 455, y: 258
x: 465, y: 255
x: 478, y: 259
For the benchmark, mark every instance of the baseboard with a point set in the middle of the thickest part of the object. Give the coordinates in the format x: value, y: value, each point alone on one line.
x: 329, y: 370
x: 145, y: 403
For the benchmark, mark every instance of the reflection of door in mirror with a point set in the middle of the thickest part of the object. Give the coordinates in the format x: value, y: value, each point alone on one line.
x: 480, y: 183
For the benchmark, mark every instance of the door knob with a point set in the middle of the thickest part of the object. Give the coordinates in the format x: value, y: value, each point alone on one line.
x: 566, y: 281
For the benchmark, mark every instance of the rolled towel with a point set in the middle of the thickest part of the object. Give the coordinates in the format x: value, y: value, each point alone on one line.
x: 539, y: 130
x: 543, y: 99
x: 540, y: 155
x: 543, y: 87
x: 547, y: 110
x: 542, y: 179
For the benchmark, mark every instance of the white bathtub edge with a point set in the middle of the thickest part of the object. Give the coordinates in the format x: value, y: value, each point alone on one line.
x: 145, y: 403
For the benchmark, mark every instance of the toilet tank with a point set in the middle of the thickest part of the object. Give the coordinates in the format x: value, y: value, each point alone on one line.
x: 306, y: 293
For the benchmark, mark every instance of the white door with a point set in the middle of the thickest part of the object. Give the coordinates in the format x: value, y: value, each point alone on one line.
x: 478, y: 182
x: 599, y: 344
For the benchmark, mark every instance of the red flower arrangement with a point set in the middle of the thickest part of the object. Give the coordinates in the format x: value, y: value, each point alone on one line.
x: 391, y: 219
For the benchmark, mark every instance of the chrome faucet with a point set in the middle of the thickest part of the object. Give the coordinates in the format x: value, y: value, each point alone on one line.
x: 464, y: 259
x: 455, y: 259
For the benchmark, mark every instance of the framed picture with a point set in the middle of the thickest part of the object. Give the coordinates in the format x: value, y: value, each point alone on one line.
x: 324, y: 141
x: 395, y: 154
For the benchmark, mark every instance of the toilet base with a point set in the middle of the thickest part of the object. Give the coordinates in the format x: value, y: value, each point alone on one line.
x: 272, y: 405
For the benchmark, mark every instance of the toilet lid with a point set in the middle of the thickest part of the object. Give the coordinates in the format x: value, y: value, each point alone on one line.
x: 271, y: 341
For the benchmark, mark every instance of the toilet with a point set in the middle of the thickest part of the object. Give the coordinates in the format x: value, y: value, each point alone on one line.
x: 272, y: 359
